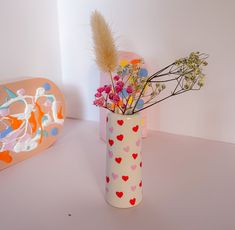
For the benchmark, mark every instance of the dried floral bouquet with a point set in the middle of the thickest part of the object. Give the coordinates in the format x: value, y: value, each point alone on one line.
x: 131, y: 89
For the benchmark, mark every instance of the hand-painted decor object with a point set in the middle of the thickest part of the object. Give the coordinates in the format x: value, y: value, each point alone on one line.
x: 31, y: 117
x: 124, y: 59
x: 123, y: 160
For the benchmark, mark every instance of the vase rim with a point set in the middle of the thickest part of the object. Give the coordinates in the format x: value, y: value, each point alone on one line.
x: 124, y: 115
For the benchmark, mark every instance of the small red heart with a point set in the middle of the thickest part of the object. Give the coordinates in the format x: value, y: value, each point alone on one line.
x: 120, y: 122
x: 132, y: 201
x: 107, y: 179
x: 135, y: 128
x: 120, y: 137
x: 141, y: 164
x: 119, y: 194
x: 118, y: 160
x: 125, y: 178
x: 134, y: 155
x: 111, y: 142
x: 140, y: 184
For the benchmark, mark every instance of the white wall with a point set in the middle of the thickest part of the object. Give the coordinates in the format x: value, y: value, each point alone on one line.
x: 160, y: 31
x: 80, y: 75
x: 29, y: 41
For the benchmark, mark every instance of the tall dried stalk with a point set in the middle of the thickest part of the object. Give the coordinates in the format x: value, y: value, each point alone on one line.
x: 104, y: 44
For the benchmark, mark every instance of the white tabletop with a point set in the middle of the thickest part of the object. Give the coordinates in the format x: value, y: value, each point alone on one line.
x: 189, y: 184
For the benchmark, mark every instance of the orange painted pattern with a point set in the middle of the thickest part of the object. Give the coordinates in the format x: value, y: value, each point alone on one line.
x: 5, y: 157
x: 40, y: 115
x: 33, y: 122
x: 14, y: 122
x: 60, y: 113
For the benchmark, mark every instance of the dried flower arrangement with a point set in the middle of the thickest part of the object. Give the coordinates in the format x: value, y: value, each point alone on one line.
x: 131, y: 89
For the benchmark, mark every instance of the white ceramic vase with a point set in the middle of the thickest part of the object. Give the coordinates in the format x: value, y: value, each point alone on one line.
x: 123, y: 160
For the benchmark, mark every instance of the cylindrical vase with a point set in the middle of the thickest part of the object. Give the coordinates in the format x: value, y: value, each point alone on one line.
x: 123, y: 160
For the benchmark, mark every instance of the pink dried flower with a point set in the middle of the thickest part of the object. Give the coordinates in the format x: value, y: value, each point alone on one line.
x: 123, y: 106
x: 129, y: 89
x: 120, y: 83
x: 111, y: 95
x: 98, y: 94
x: 118, y: 89
x: 116, y: 99
x: 116, y: 78
x: 100, y: 90
x: 108, y: 89
x: 99, y: 102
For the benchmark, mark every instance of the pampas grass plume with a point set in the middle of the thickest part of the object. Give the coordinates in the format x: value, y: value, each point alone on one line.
x: 104, y: 45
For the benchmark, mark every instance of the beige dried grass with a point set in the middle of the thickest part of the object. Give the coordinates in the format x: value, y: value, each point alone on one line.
x: 104, y: 44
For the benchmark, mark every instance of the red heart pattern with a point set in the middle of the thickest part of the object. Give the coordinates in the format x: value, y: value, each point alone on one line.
x: 135, y: 128
x: 120, y: 180
x: 119, y: 194
x: 120, y: 122
x: 132, y: 201
x: 120, y: 137
x: 111, y: 142
x: 134, y: 155
x: 118, y: 160
x: 125, y: 178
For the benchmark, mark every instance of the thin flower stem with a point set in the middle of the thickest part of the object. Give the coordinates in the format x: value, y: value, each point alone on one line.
x: 111, y: 77
x: 140, y: 95
x: 127, y: 79
x: 146, y: 102
x: 153, y: 103
x: 106, y: 107
x: 165, y: 74
x: 126, y: 104
x: 177, y: 83
x: 160, y: 71
x: 174, y: 79
x: 120, y: 108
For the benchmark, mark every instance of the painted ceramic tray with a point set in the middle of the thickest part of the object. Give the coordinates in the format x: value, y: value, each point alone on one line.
x: 31, y: 117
